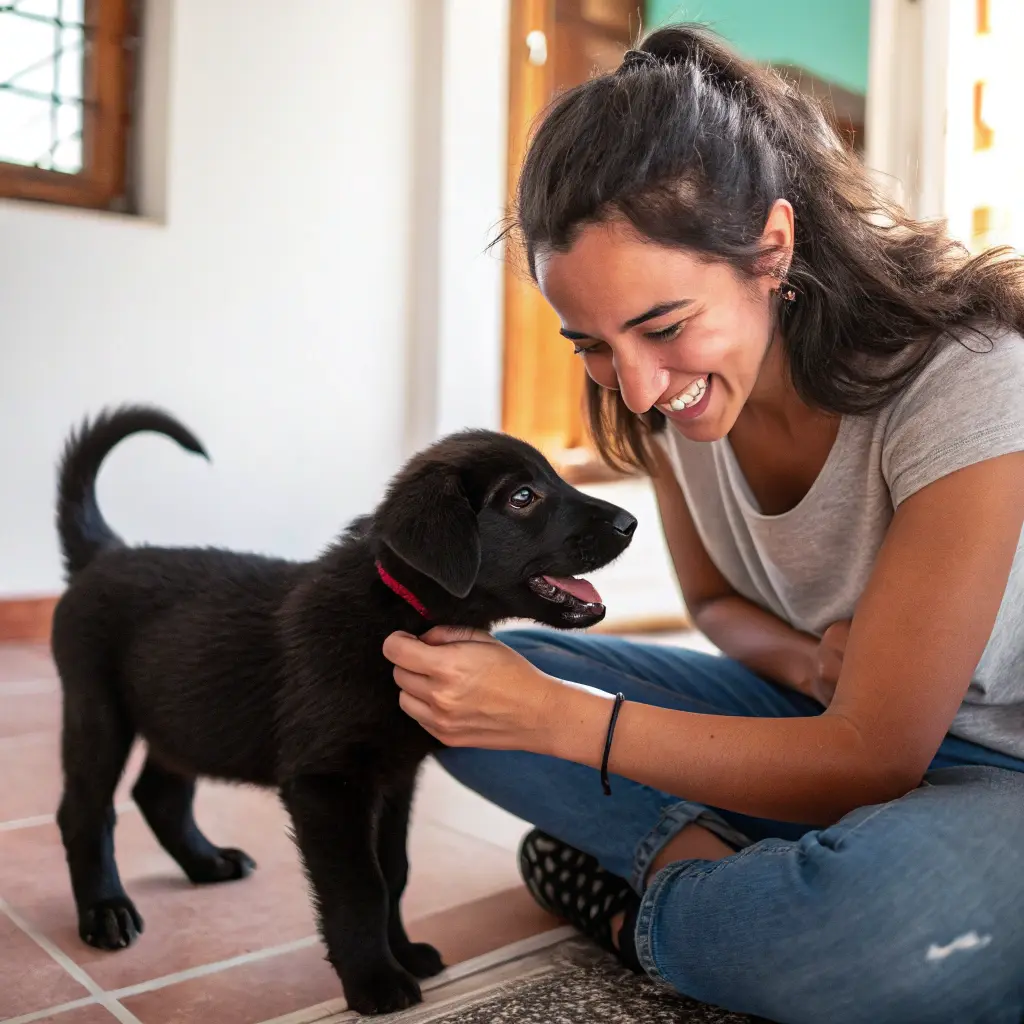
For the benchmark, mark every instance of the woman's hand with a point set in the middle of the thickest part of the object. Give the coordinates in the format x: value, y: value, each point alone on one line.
x: 829, y: 663
x: 469, y: 690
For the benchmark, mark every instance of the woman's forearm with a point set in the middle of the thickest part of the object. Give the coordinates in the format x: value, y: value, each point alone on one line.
x: 809, y: 770
x: 759, y: 640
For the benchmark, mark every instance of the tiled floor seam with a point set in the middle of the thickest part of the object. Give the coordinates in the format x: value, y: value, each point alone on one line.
x: 26, y: 738
x: 203, y: 970
x: 28, y: 687
x: 105, y: 999
x: 15, y: 824
x: 52, y: 1011
x: 19, y: 823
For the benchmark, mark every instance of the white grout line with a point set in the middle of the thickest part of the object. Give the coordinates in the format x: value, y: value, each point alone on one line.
x: 105, y: 999
x: 48, y: 819
x: 214, y: 968
x: 51, y: 1011
x: 457, y: 972
x: 16, y: 823
x: 27, y: 738
x: 27, y: 687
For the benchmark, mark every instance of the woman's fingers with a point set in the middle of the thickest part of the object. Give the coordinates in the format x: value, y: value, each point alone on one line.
x: 406, y: 651
x: 422, y: 654
x: 435, y: 721
x: 419, y: 686
x: 419, y: 710
x: 439, y: 635
x: 468, y: 693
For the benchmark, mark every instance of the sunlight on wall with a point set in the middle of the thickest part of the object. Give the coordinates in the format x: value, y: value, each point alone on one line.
x: 985, y: 146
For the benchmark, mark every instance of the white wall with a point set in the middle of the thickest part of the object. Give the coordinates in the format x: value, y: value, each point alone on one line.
x: 279, y: 306
x: 455, y: 355
x: 473, y: 193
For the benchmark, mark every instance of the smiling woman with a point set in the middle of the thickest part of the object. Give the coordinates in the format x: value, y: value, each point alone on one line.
x: 630, y: 354
x: 829, y: 397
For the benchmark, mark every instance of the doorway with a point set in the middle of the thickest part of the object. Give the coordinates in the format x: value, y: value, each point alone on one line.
x: 555, y: 44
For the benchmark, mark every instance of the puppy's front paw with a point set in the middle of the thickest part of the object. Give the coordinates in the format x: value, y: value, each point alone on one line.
x: 110, y: 924
x: 382, y: 989
x: 227, y: 866
x: 420, y: 959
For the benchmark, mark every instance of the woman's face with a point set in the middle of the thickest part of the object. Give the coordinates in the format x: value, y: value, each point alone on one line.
x: 664, y: 328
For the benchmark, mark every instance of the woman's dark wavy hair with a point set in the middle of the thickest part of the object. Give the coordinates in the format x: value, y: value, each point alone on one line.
x: 692, y: 145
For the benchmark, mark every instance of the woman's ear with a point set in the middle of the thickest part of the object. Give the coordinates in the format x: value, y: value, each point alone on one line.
x: 777, y: 240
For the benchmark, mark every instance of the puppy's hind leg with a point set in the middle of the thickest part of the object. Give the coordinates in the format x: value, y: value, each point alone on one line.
x: 97, y: 737
x: 165, y: 799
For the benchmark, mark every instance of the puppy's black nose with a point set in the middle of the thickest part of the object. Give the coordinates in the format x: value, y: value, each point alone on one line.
x: 624, y: 523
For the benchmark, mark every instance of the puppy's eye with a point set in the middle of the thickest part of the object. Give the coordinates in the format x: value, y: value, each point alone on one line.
x: 522, y: 498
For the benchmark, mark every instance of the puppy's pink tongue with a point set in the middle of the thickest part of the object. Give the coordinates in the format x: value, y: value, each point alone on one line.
x: 583, y: 590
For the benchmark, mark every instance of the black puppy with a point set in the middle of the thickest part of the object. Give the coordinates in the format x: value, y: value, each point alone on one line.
x: 270, y: 672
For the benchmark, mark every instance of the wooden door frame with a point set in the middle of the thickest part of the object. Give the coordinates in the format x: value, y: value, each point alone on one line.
x: 530, y: 86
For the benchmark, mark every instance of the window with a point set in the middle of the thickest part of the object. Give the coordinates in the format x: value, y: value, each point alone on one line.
x: 67, y: 70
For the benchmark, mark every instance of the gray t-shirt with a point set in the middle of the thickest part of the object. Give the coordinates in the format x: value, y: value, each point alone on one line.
x: 810, y: 565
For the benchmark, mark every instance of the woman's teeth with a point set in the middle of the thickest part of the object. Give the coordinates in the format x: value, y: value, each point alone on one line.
x: 693, y: 394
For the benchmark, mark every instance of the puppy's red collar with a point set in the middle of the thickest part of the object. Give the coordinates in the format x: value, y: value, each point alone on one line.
x: 403, y: 592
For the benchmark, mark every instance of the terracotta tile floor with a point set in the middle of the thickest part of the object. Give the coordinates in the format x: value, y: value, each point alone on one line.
x: 239, y: 953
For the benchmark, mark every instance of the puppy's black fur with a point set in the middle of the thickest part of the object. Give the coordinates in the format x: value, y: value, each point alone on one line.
x: 270, y: 672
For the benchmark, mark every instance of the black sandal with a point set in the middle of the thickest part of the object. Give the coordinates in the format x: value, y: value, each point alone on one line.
x: 572, y: 885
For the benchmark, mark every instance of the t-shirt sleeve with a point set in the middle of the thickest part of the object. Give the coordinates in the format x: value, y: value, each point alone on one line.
x: 966, y: 406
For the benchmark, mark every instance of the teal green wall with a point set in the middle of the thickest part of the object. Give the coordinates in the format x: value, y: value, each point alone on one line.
x: 827, y: 37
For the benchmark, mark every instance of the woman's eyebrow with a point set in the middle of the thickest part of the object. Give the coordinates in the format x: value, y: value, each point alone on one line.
x: 655, y: 311
x: 652, y: 314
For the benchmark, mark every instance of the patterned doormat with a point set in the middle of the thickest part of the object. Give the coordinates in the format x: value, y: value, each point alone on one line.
x: 568, y: 982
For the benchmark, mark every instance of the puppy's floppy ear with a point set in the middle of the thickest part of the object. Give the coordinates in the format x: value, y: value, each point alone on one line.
x: 429, y: 523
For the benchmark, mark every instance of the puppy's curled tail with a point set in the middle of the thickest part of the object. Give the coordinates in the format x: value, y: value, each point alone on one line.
x: 82, y: 530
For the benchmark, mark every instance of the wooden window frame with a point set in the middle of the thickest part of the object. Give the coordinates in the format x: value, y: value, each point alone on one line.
x: 109, y: 75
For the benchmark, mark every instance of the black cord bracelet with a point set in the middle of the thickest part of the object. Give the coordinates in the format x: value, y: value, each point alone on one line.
x: 620, y: 699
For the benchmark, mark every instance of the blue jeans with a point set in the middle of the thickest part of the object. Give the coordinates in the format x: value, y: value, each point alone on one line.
x: 910, y: 912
